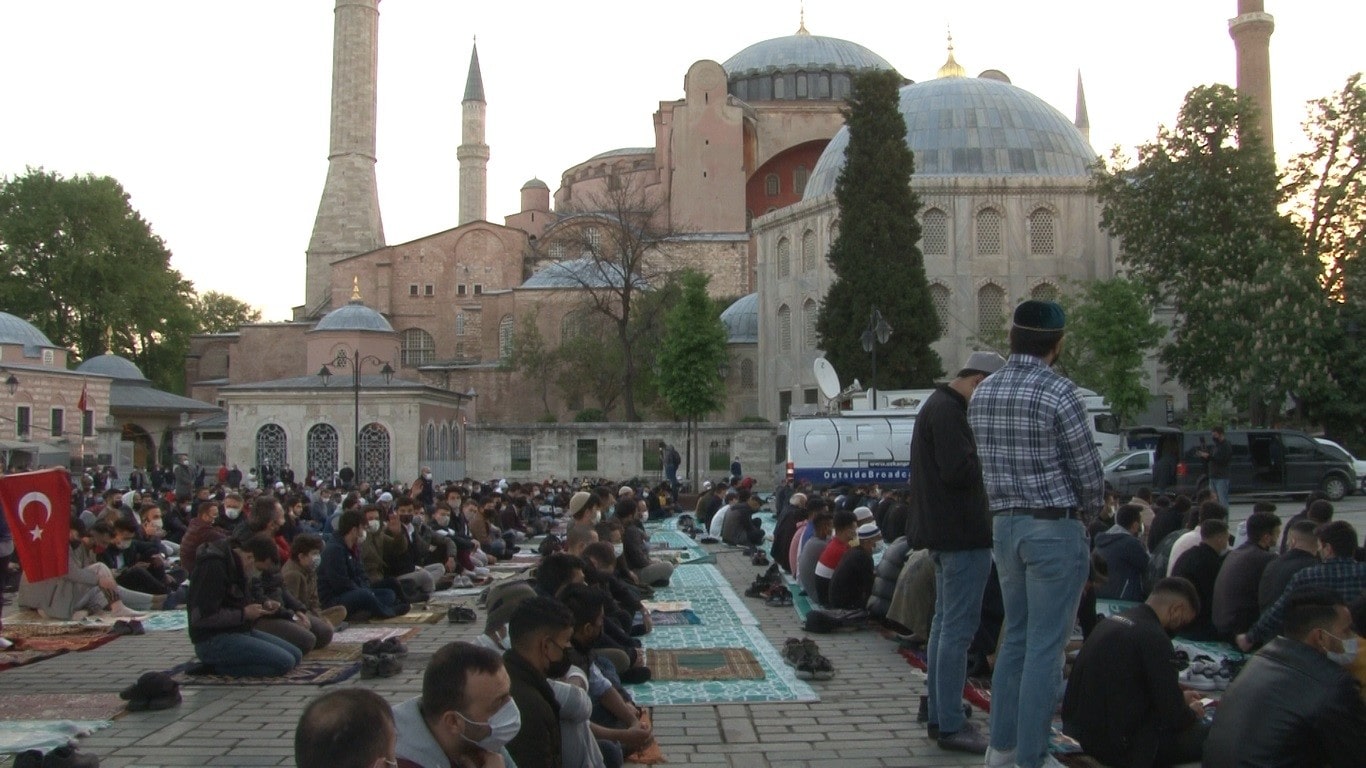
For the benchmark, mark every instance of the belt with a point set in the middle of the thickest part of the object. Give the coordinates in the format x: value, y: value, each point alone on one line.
x: 1042, y: 513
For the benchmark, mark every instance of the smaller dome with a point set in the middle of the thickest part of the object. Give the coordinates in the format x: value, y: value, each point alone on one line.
x: 742, y: 320
x: 583, y: 272
x: 16, y: 330
x: 803, y: 50
x: 535, y: 184
x: 113, y: 366
x: 354, y: 316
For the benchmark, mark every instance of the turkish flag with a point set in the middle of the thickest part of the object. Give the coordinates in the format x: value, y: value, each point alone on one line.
x: 38, y: 510
x: 84, y: 404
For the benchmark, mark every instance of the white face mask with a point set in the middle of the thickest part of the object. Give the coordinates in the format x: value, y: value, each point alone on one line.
x: 232, y: 512
x: 426, y: 475
x: 373, y: 525
x: 442, y: 522
x: 503, y: 727
x: 316, y: 560
x: 617, y: 549
x: 361, y: 538
x: 597, y: 517
x: 1348, y: 653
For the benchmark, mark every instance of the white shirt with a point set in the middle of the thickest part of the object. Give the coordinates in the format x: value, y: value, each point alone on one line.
x: 718, y: 520
x: 1188, y: 541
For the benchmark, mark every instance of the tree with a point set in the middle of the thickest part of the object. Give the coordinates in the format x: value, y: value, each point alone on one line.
x: 1109, y: 333
x: 1200, y: 231
x: 623, y: 247
x: 876, y: 258
x: 693, y: 349
x: 87, y: 270
x: 533, y: 358
x: 216, y: 312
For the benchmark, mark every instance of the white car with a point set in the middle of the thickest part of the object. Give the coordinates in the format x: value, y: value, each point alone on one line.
x: 1341, y: 453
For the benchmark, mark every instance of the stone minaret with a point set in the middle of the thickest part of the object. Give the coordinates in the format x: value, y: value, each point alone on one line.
x: 348, y: 219
x: 1251, y: 32
x: 473, y: 153
x: 1083, y: 121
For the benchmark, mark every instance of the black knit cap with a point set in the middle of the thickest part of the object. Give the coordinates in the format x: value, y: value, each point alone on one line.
x: 1035, y: 315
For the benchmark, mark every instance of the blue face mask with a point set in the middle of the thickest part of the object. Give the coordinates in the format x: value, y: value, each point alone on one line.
x: 1348, y: 654
x: 503, y: 727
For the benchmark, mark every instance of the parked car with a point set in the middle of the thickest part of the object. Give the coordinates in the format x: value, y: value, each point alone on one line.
x: 1342, y: 453
x: 1270, y: 462
x: 1127, y: 471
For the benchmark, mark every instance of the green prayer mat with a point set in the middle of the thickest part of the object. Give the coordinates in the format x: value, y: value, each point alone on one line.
x: 702, y: 664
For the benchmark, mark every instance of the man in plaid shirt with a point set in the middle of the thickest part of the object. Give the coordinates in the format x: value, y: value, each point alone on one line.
x: 1339, y: 572
x: 1043, y: 476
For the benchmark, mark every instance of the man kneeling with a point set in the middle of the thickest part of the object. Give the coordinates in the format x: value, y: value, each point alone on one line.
x: 222, y: 614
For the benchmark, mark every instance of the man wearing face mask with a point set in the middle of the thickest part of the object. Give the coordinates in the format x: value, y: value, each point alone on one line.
x: 1123, y: 702
x: 465, y: 716
x: 540, y: 631
x: 300, y: 577
x: 342, y: 580
x: 232, y: 511
x: 222, y: 612
x: 1339, y: 572
x: 1294, y: 703
x: 203, y: 530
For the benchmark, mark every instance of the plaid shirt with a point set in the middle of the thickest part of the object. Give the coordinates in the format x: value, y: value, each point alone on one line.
x: 1034, y: 438
x: 1343, y: 575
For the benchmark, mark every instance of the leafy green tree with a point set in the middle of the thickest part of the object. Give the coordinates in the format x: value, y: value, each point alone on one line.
x: 693, y: 348
x: 216, y: 312
x: 1110, y: 331
x: 533, y: 358
x: 84, y: 267
x: 876, y: 258
x: 1200, y: 231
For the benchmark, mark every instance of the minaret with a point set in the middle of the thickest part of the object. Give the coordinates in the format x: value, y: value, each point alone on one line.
x: 1083, y: 121
x: 473, y: 153
x: 348, y: 219
x: 1251, y: 32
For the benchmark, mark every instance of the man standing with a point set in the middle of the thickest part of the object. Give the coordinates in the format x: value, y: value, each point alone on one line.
x: 670, y: 459
x: 1217, y: 458
x: 949, y: 516
x: 1042, y: 473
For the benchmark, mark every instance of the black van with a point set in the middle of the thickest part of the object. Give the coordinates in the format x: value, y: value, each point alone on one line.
x: 1265, y: 461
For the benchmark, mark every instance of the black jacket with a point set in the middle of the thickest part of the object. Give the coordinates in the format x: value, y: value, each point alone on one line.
x: 1200, y: 564
x: 1235, y: 590
x: 219, y: 591
x: 852, y: 583
x: 1291, y: 706
x: 537, y: 744
x: 1127, y: 562
x: 948, y: 502
x: 1122, y: 698
x: 783, y: 529
x: 1278, y: 573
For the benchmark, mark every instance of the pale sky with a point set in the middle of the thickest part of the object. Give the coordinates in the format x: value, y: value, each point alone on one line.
x: 215, y: 116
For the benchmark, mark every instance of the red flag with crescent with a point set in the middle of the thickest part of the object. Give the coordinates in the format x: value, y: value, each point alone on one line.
x: 38, y: 510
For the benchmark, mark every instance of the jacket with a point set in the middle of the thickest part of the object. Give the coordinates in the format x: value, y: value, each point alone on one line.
x: 57, y: 597
x: 1127, y: 561
x: 199, y: 534
x: 302, y: 582
x: 219, y: 592
x: 888, y: 569
x: 537, y: 744
x: 1122, y: 697
x: 1201, y: 567
x: 414, y: 745
x: 339, y: 573
x: 1290, y: 707
x: 635, y: 547
x: 948, y: 504
x: 1235, y: 589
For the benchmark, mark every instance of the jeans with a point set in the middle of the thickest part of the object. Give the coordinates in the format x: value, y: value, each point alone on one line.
x: 248, y: 654
x: 372, y: 602
x: 1220, y: 487
x: 671, y: 475
x: 1043, y: 566
x: 960, y: 579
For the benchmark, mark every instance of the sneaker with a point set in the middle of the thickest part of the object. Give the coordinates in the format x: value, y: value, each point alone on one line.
x: 821, y: 668
x: 389, y: 665
x: 759, y: 587
x: 459, y: 614
x: 1201, y: 675
x: 393, y: 646
x: 369, y: 666
x: 965, y: 739
x: 794, y: 650
x: 1000, y: 758
x: 779, y: 597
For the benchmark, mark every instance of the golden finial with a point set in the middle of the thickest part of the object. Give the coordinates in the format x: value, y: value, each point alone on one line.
x: 951, y: 67
x: 801, y: 25
x: 355, y: 288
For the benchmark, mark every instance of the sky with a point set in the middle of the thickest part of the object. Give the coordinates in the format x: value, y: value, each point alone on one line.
x: 214, y: 116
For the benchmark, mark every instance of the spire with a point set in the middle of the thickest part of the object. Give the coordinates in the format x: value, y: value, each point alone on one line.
x: 474, y: 83
x: 801, y: 24
x: 1251, y: 32
x: 1083, y: 121
x: 355, y: 289
x: 951, y: 67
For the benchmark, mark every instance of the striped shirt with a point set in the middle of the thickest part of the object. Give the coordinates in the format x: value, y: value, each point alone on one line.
x: 1034, y: 439
x: 1342, y: 575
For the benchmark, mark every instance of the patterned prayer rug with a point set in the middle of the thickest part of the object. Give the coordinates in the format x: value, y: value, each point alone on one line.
x: 17, y: 630
x: 61, y: 706
x: 10, y: 659
x: 61, y: 643
x: 307, y: 673
x: 335, y: 652
x: 45, y: 735
x: 167, y: 621
x: 779, y: 683
x: 976, y: 693
x: 359, y: 635
x: 674, y: 618
x: 413, y: 617
x: 702, y: 664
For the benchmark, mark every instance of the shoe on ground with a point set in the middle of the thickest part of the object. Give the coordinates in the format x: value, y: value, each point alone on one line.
x: 793, y: 651
x: 29, y: 758
x: 821, y: 668
x: 369, y: 666
x: 66, y: 757
x: 389, y: 665
x: 1000, y: 758
x: 393, y: 646
x: 459, y: 614
x: 965, y: 739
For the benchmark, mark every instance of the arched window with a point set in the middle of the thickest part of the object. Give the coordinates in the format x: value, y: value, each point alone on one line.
x: 808, y: 251
x: 571, y: 325
x: 939, y: 297
x: 1044, y: 292
x: 779, y: 87
x: 747, y: 373
x: 322, y: 451
x: 989, y: 232
x: 991, y: 307
x: 1042, y: 233
x: 505, y: 327
x: 374, y: 454
x: 272, y: 447
x: 459, y: 323
x: 771, y: 185
x: 799, y: 177
x: 443, y: 447
x: 455, y: 441
x: 809, y: 312
x: 418, y: 347
x: 934, y: 233
x: 784, y: 258
x: 429, y: 447
x: 784, y: 329
x: 593, y: 237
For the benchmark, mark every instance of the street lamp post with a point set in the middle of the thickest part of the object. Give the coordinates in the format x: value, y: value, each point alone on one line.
x: 355, y: 360
x: 877, y: 332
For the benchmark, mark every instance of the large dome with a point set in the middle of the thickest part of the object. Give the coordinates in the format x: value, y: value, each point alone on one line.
x: 963, y: 126
x: 803, y: 51
x: 742, y: 320
x: 16, y: 330
x: 354, y: 316
x: 113, y: 366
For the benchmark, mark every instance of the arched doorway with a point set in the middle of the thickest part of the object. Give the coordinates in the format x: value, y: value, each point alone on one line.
x: 322, y: 451
x: 374, y: 454
x: 144, y: 447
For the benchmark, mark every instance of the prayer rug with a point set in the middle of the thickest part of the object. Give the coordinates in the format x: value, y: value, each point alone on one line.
x: 307, y: 673
x: 668, y: 664
x: 10, y: 659
x: 335, y: 652
x: 167, y: 621
x: 975, y: 692
x: 674, y: 618
x: 62, y: 643
x: 18, y: 630
x: 1107, y: 608
x: 666, y: 605
x: 454, y: 596
x: 45, y: 735
x: 651, y: 754
x: 413, y: 617
x: 61, y: 706
x: 359, y: 635
x: 778, y: 684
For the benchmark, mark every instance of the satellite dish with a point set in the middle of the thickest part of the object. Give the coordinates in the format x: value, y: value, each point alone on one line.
x: 826, y: 378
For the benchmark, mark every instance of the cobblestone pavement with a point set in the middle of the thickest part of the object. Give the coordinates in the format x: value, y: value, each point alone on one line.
x: 865, y: 718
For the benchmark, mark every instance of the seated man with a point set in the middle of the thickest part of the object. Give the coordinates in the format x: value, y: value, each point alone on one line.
x: 636, y: 547
x: 1235, y: 590
x: 1339, y: 572
x: 852, y: 582
x: 1302, y: 552
x: 300, y: 576
x: 822, y: 525
x: 465, y: 715
x: 87, y: 587
x: 1294, y: 703
x: 540, y: 631
x: 718, y: 519
x: 346, y: 728
x: 846, y: 533
x: 136, y: 565
x: 292, y: 622
x: 203, y: 529
x: 1122, y: 701
x: 409, y: 563
x: 222, y: 612
x: 342, y: 580
x: 1200, y: 566
x: 785, y: 528
x: 1126, y: 559
x: 740, y: 527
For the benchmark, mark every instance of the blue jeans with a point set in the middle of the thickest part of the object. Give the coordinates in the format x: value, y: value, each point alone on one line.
x: 1043, y: 566
x: 960, y: 578
x: 248, y: 654
x: 1220, y: 487
x: 376, y: 602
